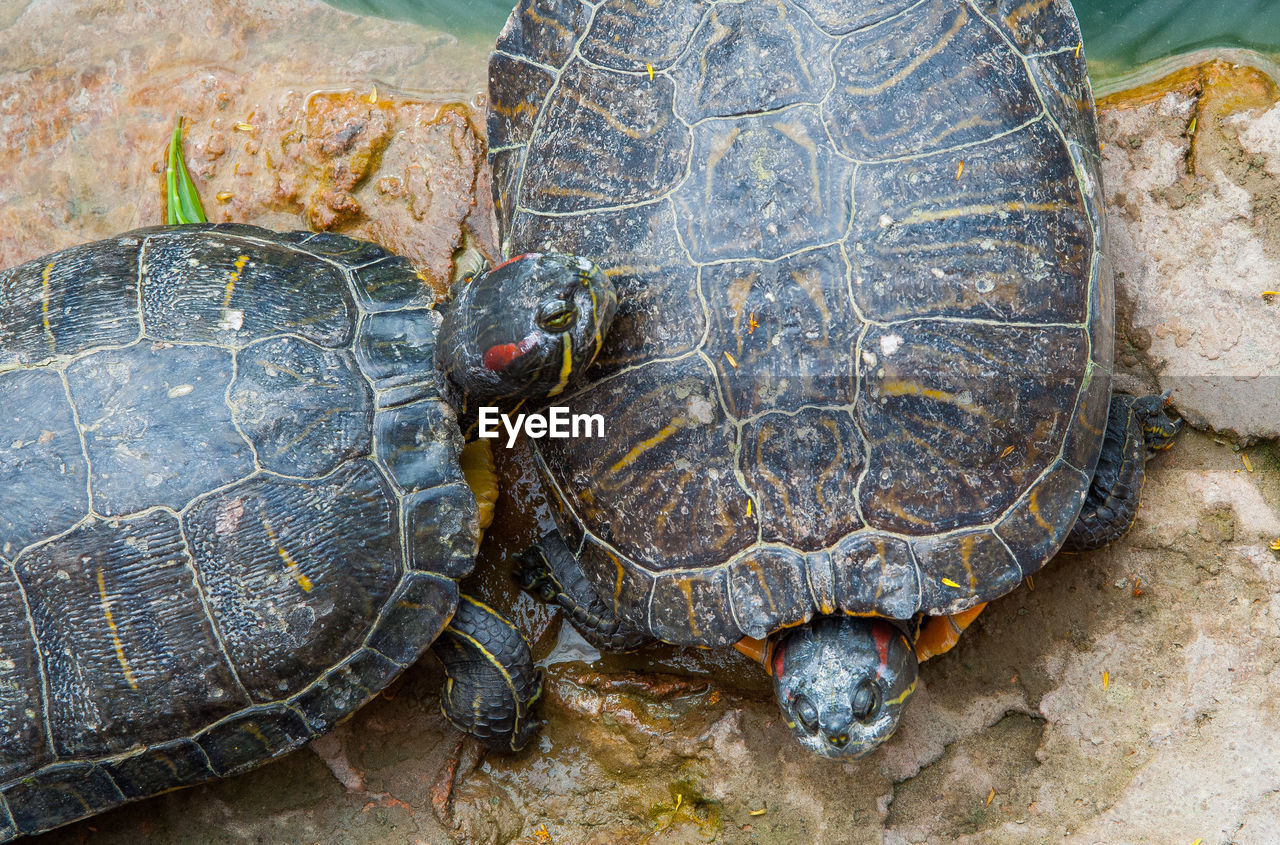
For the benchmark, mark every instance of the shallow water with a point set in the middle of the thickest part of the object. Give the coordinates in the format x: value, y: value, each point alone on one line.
x: 463, y: 18
x: 1121, y: 36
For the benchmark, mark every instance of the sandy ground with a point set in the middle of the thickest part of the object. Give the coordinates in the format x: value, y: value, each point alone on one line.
x: 1128, y: 697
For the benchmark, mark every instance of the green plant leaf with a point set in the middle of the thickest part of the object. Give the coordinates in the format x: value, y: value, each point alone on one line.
x: 183, y: 199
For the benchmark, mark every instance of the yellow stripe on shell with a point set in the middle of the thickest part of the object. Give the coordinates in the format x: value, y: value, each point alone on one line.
x: 115, y: 634
x: 978, y: 210
x: 966, y: 555
x: 292, y: 565
x: 913, y: 65
x: 303, y: 581
x: 231, y: 282
x: 617, y: 587
x: 686, y: 587
x: 1034, y: 507
x: 1014, y: 18
x: 44, y: 306
x: 903, y: 387
x: 595, y: 315
x: 645, y: 445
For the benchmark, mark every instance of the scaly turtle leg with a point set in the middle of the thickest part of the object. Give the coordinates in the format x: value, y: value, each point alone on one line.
x: 550, y: 571
x: 492, y: 683
x: 1137, y: 428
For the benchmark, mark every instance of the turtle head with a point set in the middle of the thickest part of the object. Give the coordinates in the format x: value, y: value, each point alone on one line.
x: 524, y: 329
x: 842, y: 682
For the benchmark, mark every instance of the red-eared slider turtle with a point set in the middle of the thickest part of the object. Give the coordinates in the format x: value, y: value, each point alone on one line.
x: 231, y: 503
x: 861, y: 369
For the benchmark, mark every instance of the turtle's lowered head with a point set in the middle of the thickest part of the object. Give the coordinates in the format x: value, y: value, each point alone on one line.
x: 525, y: 329
x: 842, y: 682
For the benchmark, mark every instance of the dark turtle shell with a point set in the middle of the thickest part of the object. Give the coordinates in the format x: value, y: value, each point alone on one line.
x: 231, y: 509
x: 862, y: 357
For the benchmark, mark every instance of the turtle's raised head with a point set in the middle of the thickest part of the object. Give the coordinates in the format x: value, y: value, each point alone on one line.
x: 524, y: 329
x: 842, y: 682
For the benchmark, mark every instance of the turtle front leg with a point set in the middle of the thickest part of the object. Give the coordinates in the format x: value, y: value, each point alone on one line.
x: 550, y: 571
x: 1137, y: 428
x: 491, y: 684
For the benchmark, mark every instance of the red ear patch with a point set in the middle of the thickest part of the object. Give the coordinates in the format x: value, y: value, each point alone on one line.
x: 517, y: 258
x: 779, y: 660
x: 500, y: 357
x: 883, y: 634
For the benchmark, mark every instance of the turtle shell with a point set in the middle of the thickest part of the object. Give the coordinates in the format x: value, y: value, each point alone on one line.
x: 863, y: 351
x: 231, y: 509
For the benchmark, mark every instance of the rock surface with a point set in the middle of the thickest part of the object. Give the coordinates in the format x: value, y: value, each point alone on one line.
x: 1192, y: 176
x: 291, y: 123
x: 1128, y: 697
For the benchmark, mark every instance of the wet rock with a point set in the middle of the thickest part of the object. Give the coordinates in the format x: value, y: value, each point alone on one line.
x: 288, y: 124
x: 1192, y: 177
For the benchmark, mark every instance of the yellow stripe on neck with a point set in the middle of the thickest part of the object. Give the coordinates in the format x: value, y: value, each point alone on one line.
x: 566, y: 368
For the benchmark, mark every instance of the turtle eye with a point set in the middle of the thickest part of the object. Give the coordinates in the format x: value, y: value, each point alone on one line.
x: 806, y: 713
x: 866, y: 701
x: 557, y: 316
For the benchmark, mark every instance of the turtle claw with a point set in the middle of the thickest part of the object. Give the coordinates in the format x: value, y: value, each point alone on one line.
x: 550, y: 571
x: 1137, y: 428
x: 1159, y: 425
x: 535, y: 577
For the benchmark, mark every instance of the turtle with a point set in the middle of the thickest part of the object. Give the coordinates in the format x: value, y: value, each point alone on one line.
x: 232, y: 499
x: 860, y: 379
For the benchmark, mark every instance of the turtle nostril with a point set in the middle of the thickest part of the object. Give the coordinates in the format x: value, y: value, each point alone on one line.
x: 839, y: 741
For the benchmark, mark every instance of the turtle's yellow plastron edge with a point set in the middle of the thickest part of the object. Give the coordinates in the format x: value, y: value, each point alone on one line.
x: 940, y: 633
x: 482, y: 478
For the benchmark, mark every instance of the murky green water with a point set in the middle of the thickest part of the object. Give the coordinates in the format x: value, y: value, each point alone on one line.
x: 464, y: 18
x: 1120, y: 35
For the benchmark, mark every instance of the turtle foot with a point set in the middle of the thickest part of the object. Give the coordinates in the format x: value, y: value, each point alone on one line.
x: 550, y: 571
x: 1137, y: 428
x: 492, y: 683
